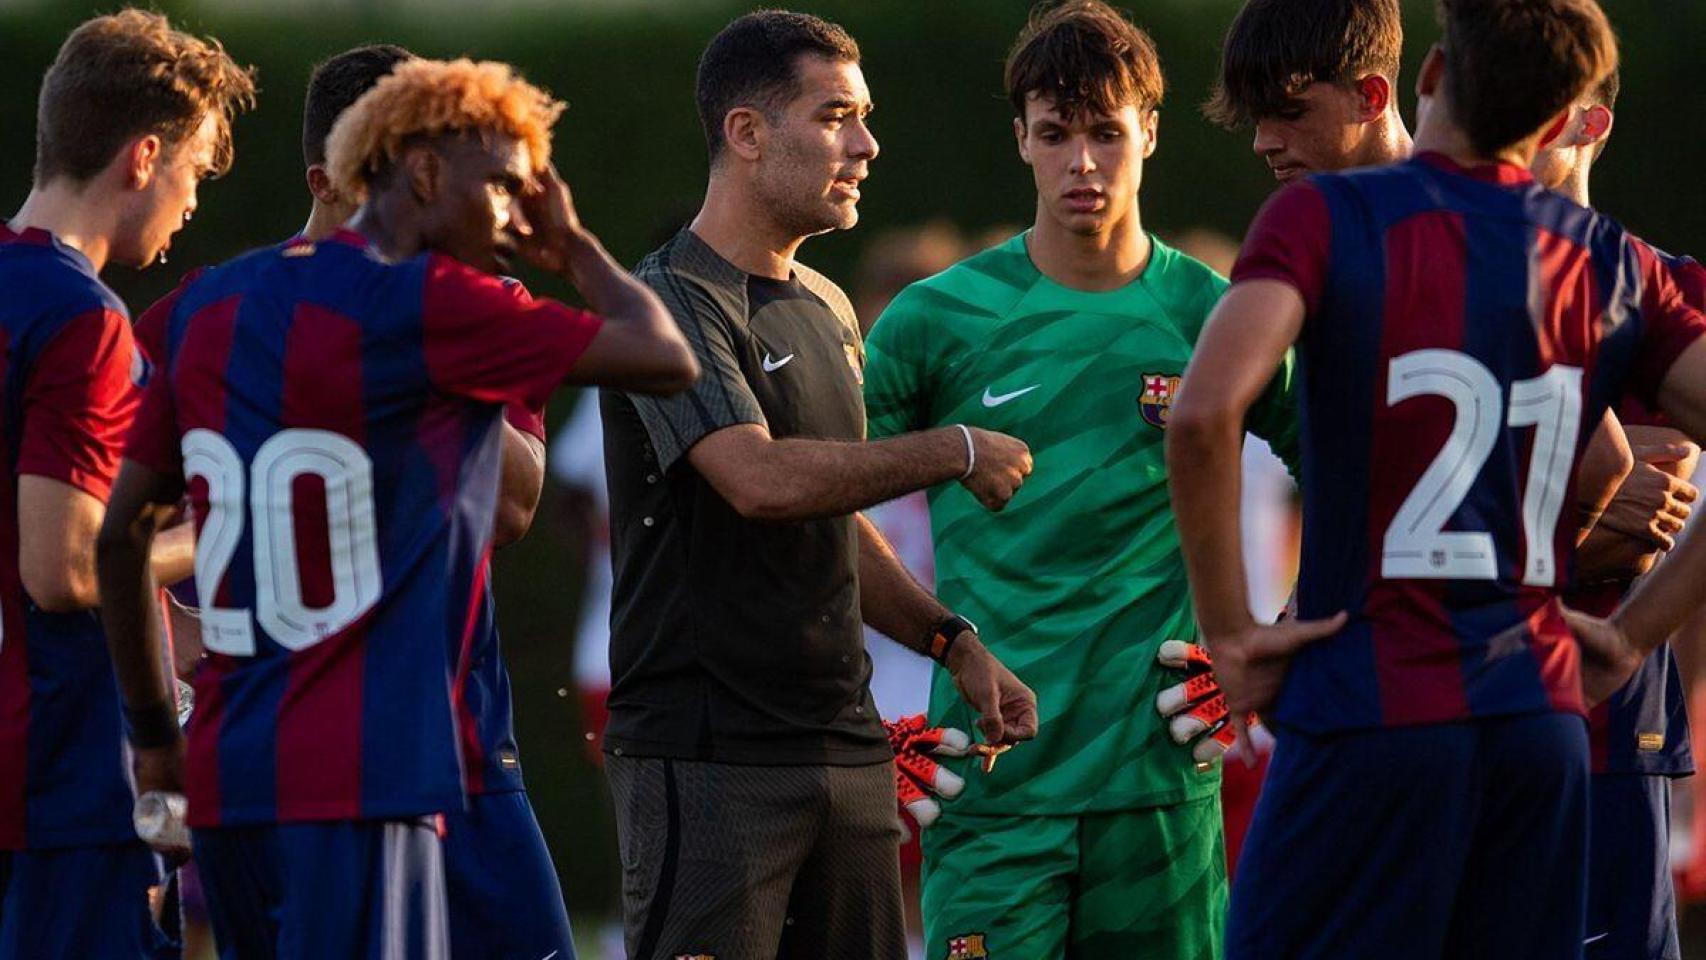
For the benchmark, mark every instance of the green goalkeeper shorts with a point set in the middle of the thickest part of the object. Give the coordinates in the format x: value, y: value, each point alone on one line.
x: 1145, y: 884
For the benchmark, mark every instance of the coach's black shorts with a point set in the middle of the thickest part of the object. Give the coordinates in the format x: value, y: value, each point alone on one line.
x: 748, y: 863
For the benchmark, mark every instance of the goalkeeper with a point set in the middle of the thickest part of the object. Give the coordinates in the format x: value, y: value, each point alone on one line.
x: 1102, y: 839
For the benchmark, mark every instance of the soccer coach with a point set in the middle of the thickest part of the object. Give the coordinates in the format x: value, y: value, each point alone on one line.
x: 753, y: 781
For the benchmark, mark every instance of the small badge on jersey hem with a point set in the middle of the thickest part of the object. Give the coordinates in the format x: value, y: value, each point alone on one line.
x: 1156, y: 400
x: 1649, y: 742
x: 967, y: 946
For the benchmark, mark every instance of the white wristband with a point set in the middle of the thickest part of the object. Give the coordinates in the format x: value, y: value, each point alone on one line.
x: 971, y: 451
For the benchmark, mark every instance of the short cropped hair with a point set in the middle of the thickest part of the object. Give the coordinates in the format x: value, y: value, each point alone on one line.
x: 338, y: 83
x: 754, y: 62
x: 1276, y: 48
x: 129, y: 74
x: 1511, y: 65
x: 431, y: 98
x: 1083, y: 54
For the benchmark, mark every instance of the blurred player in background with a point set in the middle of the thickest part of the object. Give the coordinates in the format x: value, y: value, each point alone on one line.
x: 1423, y: 293
x: 1103, y: 839
x: 326, y: 734
x: 133, y: 115
x: 1638, y: 738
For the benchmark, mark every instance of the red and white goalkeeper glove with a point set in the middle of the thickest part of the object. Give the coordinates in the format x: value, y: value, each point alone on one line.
x: 919, y: 780
x: 1196, y: 709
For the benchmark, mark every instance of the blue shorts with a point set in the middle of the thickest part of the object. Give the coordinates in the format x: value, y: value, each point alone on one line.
x: 1631, y: 904
x: 354, y: 890
x: 1455, y: 840
x: 80, y: 903
x: 505, y: 901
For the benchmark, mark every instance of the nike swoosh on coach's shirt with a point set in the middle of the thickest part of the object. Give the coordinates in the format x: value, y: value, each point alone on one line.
x: 1596, y: 939
x: 994, y: 400
x: 771, y: 366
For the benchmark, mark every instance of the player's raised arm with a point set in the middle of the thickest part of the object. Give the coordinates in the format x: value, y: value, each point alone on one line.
x: 639, y: 347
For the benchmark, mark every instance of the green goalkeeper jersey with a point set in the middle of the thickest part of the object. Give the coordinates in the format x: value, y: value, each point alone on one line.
x: 1076, y: 584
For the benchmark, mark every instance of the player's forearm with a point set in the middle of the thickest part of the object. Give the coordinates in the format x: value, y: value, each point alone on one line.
x: 891, y: 601
x: 794, y: 479
x: 1606, y: 554
x: 1663, y: 601
x: 1203, y: 477
x: 1605, y: 464
x: 172, y: 556
x: 127, y: 608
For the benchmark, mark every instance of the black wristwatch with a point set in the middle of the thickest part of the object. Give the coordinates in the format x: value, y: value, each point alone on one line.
x: 943, y: 634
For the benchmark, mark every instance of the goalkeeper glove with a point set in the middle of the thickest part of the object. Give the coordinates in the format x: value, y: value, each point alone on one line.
x: 918, y: 779
x: 1196, y: 709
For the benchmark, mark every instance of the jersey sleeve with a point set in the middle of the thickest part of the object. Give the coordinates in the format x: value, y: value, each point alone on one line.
x: 722, y: 398
x: 78, y: 402
x: 896, y: 369
x: 1290, y: 241
x: 488, y: 339
x: 1670, y: 324
x: 528, y: 420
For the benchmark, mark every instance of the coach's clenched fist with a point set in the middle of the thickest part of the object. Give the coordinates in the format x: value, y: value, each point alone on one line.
x: 997, y: 467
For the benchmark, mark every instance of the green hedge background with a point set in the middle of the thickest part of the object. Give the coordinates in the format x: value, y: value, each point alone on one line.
x: 630, y: 146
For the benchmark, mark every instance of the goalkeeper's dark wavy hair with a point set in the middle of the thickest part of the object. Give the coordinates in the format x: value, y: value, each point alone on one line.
x: 1084, y: 55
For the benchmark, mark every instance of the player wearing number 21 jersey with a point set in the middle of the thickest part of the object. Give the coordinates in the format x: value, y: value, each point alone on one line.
x: 1460, y: 331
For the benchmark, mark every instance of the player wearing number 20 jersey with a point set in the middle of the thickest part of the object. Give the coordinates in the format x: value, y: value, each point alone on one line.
x: 1464, y: 329
x: 336, y: 420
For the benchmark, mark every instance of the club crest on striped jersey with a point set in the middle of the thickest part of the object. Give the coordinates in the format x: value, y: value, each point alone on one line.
x: 967, y: 946
x: 1156, y: 400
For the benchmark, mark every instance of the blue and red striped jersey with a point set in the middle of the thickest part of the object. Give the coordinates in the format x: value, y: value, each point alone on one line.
x: 486, y: 722
x: 66, y: 363
x: 1465, y: 331
x: 336, y: 421
x: 1643, y: 727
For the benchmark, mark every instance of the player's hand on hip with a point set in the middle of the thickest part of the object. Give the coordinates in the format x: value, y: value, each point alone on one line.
x: 1608, y: 658
x: 1195, y: 709
x: 1251, y: 666
x: 1000, y: 464
x: 1006, y: 708
x: 919, y: 779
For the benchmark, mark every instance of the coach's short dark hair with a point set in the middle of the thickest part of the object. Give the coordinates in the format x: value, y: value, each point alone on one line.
x: 336, y: 84
x: 1276, y: 48
x: 128, y: 74
x: 754, y: 62
x: 1512, y: 65
x: 1083, y: 54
